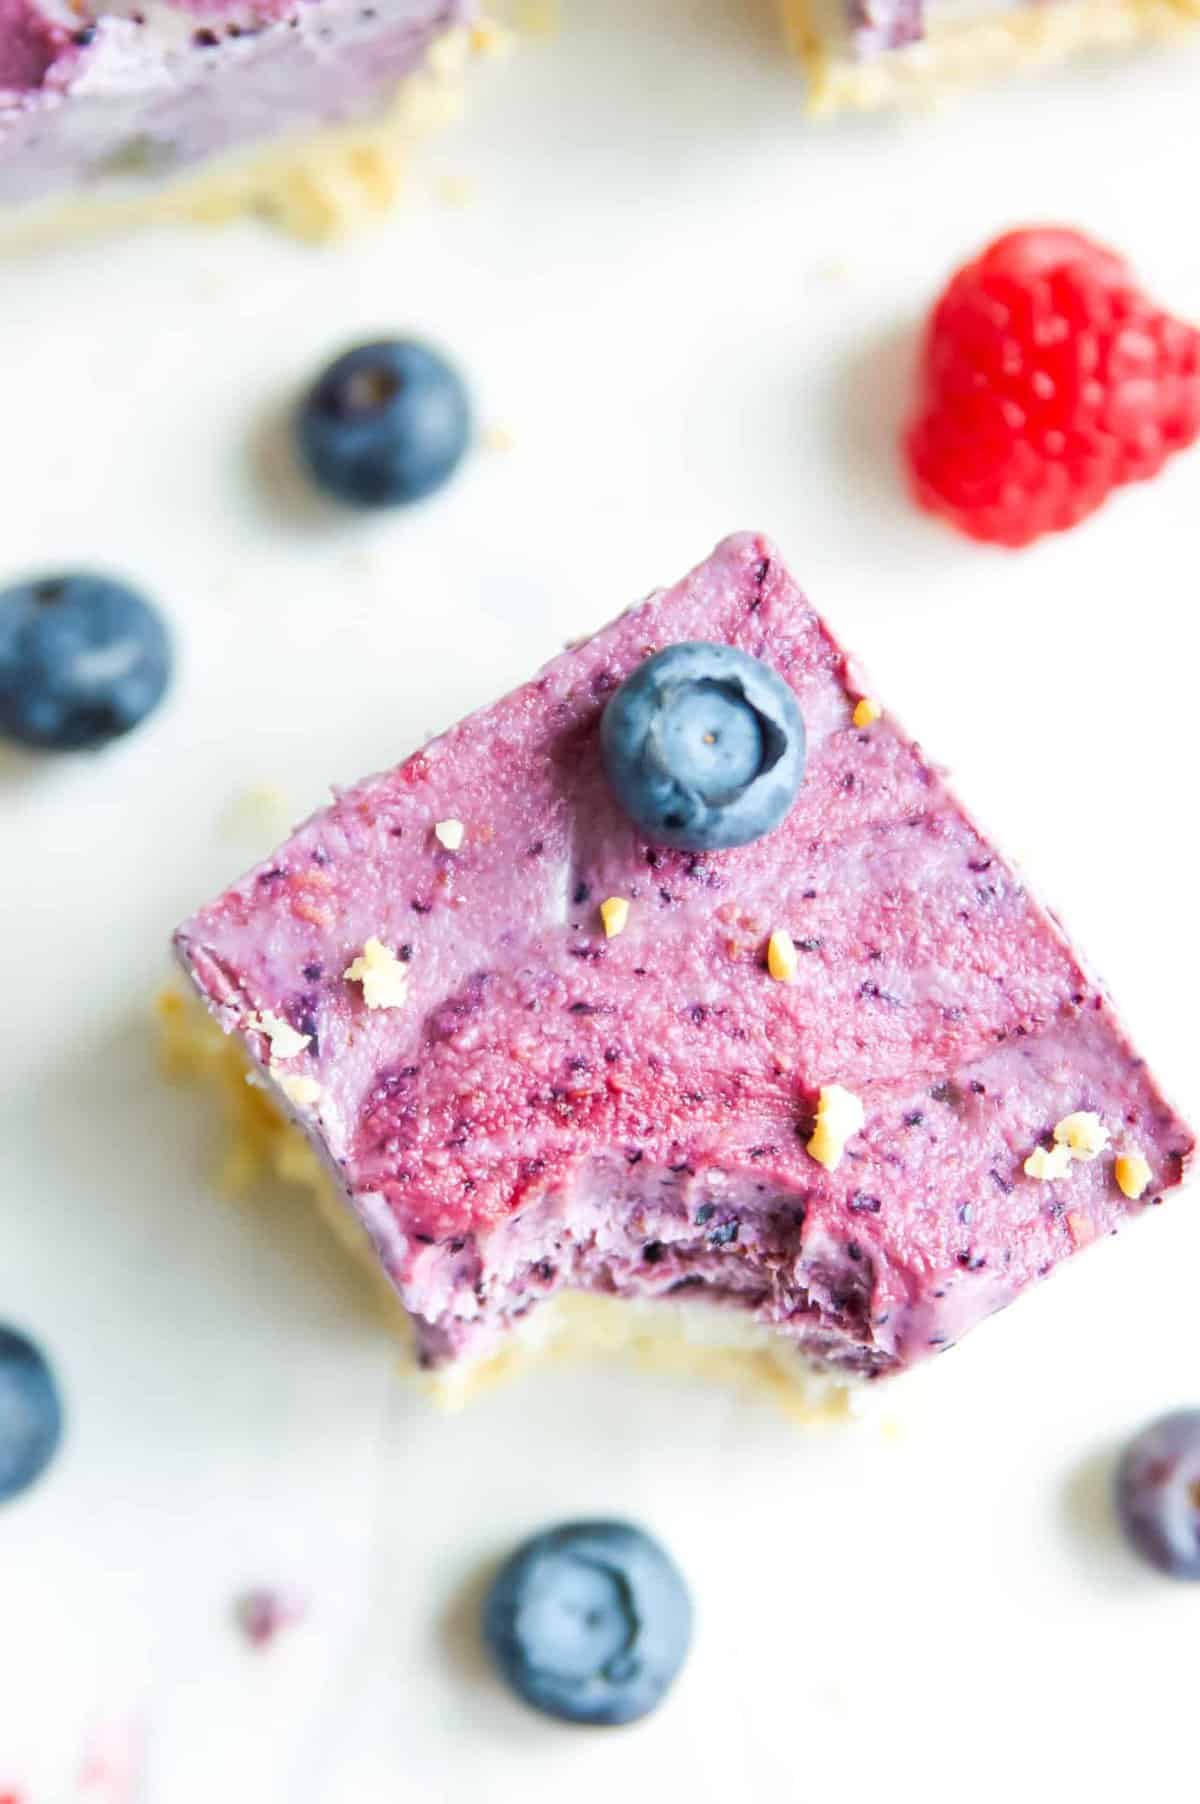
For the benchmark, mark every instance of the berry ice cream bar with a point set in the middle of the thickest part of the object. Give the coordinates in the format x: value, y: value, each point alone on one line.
x: 866, y: 53
x: 839, y: 1078
x: 200, y: 108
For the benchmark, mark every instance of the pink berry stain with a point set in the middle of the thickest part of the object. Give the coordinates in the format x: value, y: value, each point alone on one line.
x: 113, y: 1763
x: 261, y: 1614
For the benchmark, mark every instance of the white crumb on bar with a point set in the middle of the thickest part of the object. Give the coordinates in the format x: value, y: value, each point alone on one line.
x: 384, y: 978
x: 1083, y: 1133
x: 286, y: 1042
x: 303, y: 1092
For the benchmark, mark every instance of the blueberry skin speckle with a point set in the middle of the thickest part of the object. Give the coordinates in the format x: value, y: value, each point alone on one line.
x: 83, y: 660
x: 1158, y: 1494
x: 589, y: 1622
x: 31, y: 1414
x: 386, y: 423
x: 704, y: 747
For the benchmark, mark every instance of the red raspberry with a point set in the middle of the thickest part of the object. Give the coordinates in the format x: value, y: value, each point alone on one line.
x: 1047, y: 380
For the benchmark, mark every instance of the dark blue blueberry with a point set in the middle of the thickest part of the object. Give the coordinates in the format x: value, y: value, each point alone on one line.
x: 1158, y: 1493
x: 30, y: 1414
x: 386, y: 423
x: 589, y: 1622
x: 82, y: 660
x: 704, y: 747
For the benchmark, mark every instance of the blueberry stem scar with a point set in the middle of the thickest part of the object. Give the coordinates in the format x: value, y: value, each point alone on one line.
x: 704, y: 747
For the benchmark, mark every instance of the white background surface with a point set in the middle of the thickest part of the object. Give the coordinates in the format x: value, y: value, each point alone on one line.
x: 693, y: 311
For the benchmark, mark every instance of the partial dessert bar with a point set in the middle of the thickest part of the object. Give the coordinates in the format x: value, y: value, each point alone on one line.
x: 869, y: 53
x: 303, y: 109
x: 848, y: 1084
x: 306, y: 110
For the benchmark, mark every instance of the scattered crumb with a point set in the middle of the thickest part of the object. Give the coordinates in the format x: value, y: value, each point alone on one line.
x: 383, y: 977
x: 359, y: 560
x: 261, y: 812
x: 1047, y: 1165
x: 304, y: 1092
x: 1083, y: 1133
x: 867, y: 712
x: 540, y: 18
x: 615, y: 915
x: 831, y: 270
x: 211, y: 284
x: 497, y: 438
x: 449, y: 834
x: 112, y: 1766
x: 1079, y: 1136
x: 1133, y: 1175
x: 782, y: 959
x: 840, y: 1115
x: 490, y: 38
x: 455, y: 190
x: 261, y: 1614
x: 286, y: 1043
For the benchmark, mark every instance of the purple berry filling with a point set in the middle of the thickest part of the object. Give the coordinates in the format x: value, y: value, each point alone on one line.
x: 543, y: 1107
x: 133, y: 91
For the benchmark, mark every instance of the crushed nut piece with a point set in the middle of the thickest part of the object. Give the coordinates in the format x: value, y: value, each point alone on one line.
x: 300, y: 1090
x: 489, y: 38
x: 1047, y: 1165
x: 455, y: 190
x: 450, y: 834
x: 867, y: 712
x: 285, y: 1041
x: 615, y: 914
x: 840, y: 1115
x: 540, y: 18
x: 1083, y: 1133
x: 261, y: 812
x: 498, y: 438
x: 383, y: 978
x: 1133, y: 1175
x: 781, y: 956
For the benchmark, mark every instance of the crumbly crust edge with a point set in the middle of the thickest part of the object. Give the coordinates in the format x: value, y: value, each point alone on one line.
x: 682, y: 1339
x: 965, y: 52
x: 314, y: 185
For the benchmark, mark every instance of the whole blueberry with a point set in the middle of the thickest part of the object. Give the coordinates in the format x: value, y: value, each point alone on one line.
x: 386, y: 423
x: 704, y: 747
x: 1158, y: 1493
x: 589, y: 1622
x: 83, y: 659
x: 30, y: 1414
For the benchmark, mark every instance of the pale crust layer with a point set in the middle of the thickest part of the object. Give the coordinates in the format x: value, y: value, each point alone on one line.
x: 318, y: 185
x: 955, y: 55
x: 692, y: 1339
x: 315, y: 185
